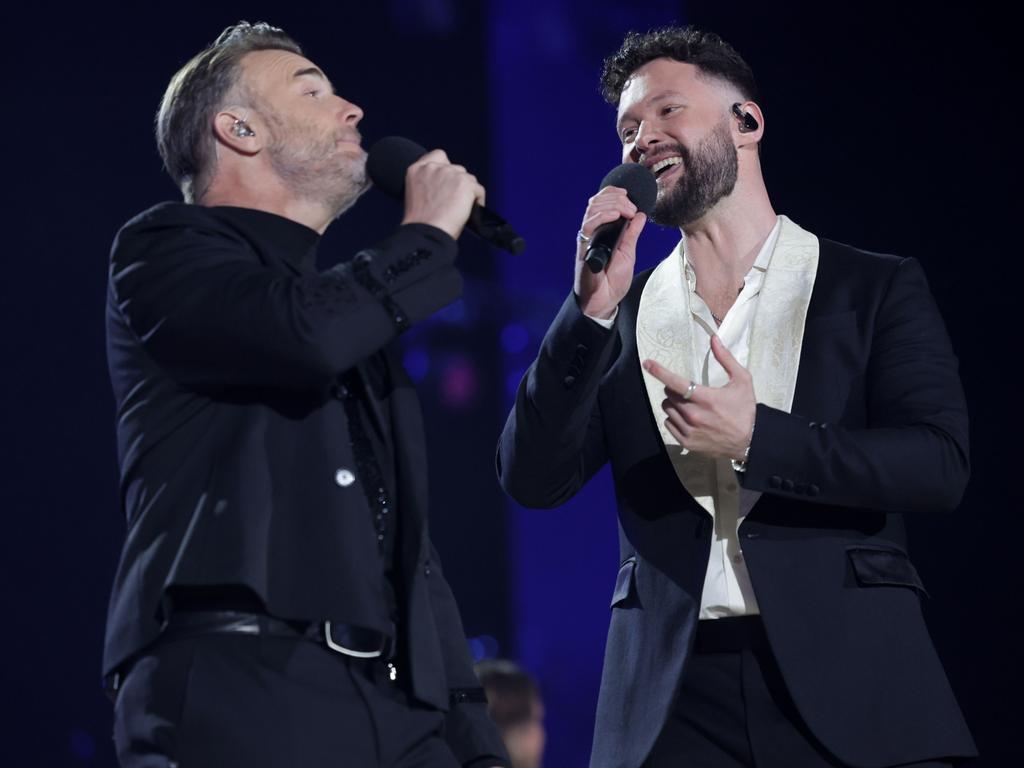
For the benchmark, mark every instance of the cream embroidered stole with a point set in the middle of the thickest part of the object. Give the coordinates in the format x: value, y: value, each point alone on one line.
x: 664, y: 332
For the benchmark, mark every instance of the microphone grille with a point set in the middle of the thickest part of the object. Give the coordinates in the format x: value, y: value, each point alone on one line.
x: 639, y: 183
x: 388, y: 160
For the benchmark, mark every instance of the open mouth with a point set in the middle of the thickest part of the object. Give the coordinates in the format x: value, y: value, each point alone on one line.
x: 664, y: 166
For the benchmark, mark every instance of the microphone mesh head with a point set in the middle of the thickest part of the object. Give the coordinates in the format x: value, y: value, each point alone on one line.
x: 639, y: 183
x: 388, y: 160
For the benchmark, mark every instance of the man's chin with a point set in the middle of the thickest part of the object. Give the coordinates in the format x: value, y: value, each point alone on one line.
x: 342, y: 202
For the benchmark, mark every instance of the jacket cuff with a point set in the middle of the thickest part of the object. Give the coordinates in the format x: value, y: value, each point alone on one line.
x: 409, y: 254
x: 410, y: 273
x: 778, y: 463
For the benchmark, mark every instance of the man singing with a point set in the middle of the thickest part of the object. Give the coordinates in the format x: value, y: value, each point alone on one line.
x: 772, y: 404
x: 278, y: 602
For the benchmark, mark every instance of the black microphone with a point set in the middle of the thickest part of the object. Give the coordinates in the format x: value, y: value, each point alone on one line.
x: 390, y: 158
x: 642, y: 189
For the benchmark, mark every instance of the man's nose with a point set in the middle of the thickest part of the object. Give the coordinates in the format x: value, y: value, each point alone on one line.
x: 646, y: 138
x: 351, y: 113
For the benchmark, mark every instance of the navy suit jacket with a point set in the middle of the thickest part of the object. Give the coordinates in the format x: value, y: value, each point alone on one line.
x: 877, y: 429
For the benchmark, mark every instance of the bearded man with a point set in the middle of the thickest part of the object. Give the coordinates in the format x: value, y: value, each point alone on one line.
x: 772, y: 404
x: 278, y: 601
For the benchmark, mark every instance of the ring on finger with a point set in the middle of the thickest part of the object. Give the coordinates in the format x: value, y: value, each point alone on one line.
x: 690, y: 390
x: 581, y: 238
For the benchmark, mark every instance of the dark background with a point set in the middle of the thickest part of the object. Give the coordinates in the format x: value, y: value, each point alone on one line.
x: 892, y: 127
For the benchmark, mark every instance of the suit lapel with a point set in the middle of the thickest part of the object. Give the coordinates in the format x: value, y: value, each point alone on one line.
x: 778, y: 328
x: 664, y: 333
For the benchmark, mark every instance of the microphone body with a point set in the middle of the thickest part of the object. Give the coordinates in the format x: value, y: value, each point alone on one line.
x: 388, y: 160
x: 642, y: 189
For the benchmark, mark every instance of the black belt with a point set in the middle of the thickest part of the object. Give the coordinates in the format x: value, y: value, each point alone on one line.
x: 345, y: 639
x: 731, y: 634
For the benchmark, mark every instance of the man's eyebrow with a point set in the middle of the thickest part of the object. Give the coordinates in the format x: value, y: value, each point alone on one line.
x: 663, y: 96
x: 314, y: 72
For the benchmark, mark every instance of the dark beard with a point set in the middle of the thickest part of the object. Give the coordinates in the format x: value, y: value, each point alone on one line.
x: 708, y: 175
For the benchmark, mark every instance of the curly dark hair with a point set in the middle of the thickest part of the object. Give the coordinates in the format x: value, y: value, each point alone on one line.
x: 705, y: 50
x: 184, y: 133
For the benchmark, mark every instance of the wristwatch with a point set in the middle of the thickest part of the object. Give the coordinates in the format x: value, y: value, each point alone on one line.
x: 740, y: 465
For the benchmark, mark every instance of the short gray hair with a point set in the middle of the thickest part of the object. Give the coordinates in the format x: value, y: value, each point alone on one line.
x: 184, y: 123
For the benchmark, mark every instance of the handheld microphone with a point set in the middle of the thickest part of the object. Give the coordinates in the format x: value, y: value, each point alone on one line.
x: 388, y: 160
x: 642, y: 189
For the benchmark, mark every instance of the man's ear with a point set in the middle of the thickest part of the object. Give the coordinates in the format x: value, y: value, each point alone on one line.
x: 235, y: 129
x: 749, y: 123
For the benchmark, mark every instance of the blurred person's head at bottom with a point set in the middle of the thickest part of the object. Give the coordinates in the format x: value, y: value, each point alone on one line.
x: 514, y: 703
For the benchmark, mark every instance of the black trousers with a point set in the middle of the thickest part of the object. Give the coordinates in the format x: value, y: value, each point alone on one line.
x: 221, y: 701
x: 733, y: 710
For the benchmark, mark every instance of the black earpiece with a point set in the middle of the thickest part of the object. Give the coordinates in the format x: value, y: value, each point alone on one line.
x: 748, y: 122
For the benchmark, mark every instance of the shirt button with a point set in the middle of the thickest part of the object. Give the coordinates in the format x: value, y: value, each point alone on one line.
x: 344, y: 477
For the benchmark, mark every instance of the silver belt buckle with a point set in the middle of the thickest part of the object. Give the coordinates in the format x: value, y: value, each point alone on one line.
x: 337, y: 647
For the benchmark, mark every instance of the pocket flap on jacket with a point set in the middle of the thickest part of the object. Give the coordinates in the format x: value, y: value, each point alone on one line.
x: 624, y: 582
x: 884, y: 567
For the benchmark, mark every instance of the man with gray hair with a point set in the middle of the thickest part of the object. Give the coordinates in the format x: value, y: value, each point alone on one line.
x: 278, y: 601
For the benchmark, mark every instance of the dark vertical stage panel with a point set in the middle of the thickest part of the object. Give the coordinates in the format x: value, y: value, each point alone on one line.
x: 81, y: 89
x: 554, y: 140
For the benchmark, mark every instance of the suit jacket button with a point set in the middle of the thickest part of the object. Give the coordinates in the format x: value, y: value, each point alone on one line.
x: 787, y: 485
x: 813, y: 424
x: 774, y: 481
x: 813, y: 490
x: 569, y: 381
x: 344, y: 477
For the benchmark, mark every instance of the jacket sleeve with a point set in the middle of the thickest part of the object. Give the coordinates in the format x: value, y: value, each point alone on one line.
x: 553, y: 441
x: 468, y: 729
x: 912, y: 454
x: 213, y: 316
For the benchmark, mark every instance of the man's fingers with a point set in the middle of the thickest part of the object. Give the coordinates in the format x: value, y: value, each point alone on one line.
x: 597, y: 218
x: 665, y: 376
x: 725, y: 358
x: 434, y: 156
x: 685, y: 414
x: 627, y: 242
x: 676, y: 433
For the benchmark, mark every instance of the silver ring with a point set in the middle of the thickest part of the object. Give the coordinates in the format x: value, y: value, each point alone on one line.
x: 581, y: 238
x: 690, y: 390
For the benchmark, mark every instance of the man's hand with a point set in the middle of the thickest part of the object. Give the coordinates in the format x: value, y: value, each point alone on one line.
x: 715, y: 421
x: 600, y: 294
x: 440, y: 194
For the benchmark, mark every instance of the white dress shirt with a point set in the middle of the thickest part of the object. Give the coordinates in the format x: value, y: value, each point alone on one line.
x: 727, y: 589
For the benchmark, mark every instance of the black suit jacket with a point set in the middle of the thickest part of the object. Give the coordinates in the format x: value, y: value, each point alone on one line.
x: 878, y: 429
x: 235, y: 365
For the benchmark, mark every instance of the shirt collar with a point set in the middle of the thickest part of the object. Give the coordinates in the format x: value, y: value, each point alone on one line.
x: 757, y: 270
